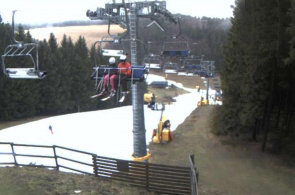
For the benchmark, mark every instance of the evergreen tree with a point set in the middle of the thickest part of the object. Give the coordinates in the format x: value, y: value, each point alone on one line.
x: 29, y: 88
x: 81, y: 70
x: 67, y: 53
x: 5, y: 101
x: 258, y: 71
x: 49, y: 89
x: 232, y: 73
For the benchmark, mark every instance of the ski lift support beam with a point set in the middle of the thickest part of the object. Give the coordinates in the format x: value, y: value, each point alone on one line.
x: 115, y: 12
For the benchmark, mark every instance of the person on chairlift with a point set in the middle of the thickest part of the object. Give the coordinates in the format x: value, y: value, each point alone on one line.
x: 111, y: 75
x: 124, y: 71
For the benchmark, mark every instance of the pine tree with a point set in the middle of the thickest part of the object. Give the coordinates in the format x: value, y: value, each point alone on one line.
x: 81, y: 71
x: 67, y: 54
x: 49, y: 90
x: 232, y: 72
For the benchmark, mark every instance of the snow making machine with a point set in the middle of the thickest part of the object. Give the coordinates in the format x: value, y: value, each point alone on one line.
x: 162, y: 134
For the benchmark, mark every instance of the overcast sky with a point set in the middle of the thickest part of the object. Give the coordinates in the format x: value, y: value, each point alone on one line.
x: 41, y: 11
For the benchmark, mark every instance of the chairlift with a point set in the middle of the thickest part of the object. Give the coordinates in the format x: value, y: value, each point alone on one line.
x: 152, y: 61
x: 170, y: 67
x: 99, y: 70
x: 182, y: 71
x: 190, y: 66
x: 23, y: 51
x: 138, y: 73
x: 175, y: 49
x: 207, y: 68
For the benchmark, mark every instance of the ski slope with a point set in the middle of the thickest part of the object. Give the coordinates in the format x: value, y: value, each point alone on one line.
x: 103, y: 132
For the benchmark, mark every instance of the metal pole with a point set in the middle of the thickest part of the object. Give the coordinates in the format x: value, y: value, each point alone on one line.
x: 139, y: 140
x: 207, y: 92
x: 208, y: 73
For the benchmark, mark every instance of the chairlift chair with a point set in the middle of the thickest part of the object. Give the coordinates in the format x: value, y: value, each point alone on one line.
x: 23, y: 51
x: 175, y: 49
x: 152, y: 61
x: 191, y: 65
x: 138, y: 73
x: 99, y: 70
x: 170, y: 67
x: 182, y: 70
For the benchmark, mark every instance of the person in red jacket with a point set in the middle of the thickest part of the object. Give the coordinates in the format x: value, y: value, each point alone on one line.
x: 124, y: 70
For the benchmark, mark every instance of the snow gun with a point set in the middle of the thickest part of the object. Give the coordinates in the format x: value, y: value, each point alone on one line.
x: 163, y: 133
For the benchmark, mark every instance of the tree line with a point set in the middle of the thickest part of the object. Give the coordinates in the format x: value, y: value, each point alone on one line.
x: 258, y: 74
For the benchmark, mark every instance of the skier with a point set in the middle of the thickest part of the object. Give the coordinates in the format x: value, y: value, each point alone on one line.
x: 124, y: 71
x: 111, y: 75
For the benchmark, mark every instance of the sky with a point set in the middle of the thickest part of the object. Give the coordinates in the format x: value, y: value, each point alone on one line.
x: 94, y: 131
x: 41, y: 11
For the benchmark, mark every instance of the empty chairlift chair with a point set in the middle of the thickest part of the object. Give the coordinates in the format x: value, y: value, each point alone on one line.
x: 175, y: 49
x: 27, y: 55
x: 170, y: 67
x: 152, y: 61
x: 192, y: 66
x: 22, y: 51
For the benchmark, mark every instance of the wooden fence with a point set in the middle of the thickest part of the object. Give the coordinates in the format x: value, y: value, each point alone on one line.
x: 159, y: 178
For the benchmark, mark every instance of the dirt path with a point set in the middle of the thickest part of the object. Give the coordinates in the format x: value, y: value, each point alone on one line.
x: 224, y: 169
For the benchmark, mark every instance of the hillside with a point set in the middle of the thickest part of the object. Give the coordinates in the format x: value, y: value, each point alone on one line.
x: 225, y: 166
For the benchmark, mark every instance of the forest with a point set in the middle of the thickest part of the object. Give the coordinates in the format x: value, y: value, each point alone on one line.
x: 254, y: 53
x: 258, y: 74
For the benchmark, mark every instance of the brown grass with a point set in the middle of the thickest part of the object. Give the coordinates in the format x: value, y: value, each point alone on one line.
x: 90, y: 33
x: 37, y: 181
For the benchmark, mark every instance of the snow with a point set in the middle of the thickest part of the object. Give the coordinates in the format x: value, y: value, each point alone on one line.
x: 103, y: 132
